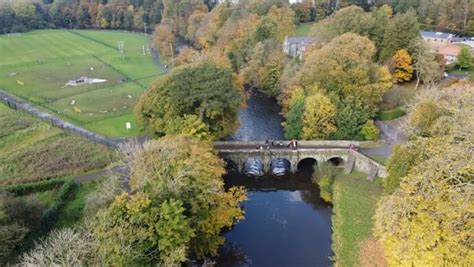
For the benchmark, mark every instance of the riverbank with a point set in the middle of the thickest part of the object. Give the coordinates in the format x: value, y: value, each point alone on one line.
x: 355, y: 199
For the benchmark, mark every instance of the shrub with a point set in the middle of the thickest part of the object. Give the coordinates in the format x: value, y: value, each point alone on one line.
x: 324, y: 177
x: 65, y: 247
x: 28, y: 188
x: 403, y: 159
x: 103, y: 196
x: 50, y: 216
x: 423, y: 117
x: 391, y: 114
x: 369, y: 131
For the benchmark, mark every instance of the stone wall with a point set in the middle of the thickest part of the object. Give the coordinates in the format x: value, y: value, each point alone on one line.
x: 351, y: 160
x: 316, y: 143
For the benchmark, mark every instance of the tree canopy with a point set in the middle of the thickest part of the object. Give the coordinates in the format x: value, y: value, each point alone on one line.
x: 427, y: 218
x: 344, y: 71
x: 204, y: 90
x: 177, y: 206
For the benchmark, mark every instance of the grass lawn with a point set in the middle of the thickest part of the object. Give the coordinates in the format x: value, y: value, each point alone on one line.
x: 398, y: 95
x: 469, y: 72
x: 354, y: 199
x: 32, y: 150
x: 73, y: 210
x: 120, y: 129
x: 304, y: 29
x: 36, y: 66
x: 380, y: 159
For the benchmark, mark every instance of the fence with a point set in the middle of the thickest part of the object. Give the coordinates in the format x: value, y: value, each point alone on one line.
x: 17, y: 104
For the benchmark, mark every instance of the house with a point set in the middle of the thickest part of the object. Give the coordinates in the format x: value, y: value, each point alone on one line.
x: 437, y: 39
x: 295, y: 47
x: 450, y: 53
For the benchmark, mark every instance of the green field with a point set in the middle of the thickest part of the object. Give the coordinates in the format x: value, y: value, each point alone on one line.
x: 355, y: 199
x: 37, y: 65
x: 304, y: 29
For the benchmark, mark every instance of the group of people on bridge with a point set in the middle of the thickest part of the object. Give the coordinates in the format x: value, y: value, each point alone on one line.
x: 273, y: 144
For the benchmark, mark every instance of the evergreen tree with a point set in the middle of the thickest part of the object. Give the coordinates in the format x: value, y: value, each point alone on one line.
x: 400, y: 34
x: 465, y: 58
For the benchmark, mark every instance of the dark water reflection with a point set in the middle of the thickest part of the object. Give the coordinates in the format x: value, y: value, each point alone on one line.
x: 260, y: 120
x: 286, y: 222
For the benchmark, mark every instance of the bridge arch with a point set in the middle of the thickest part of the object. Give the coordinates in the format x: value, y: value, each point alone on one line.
x: 307, y: 163
x: 253, y: 167
x: 280, y: 166
x: 231, y: 166
x: 336, y: 161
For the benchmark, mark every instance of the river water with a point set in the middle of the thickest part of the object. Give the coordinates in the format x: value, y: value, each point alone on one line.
x: 286, y: 222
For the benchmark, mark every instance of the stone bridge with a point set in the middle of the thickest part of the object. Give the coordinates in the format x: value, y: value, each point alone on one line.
x: 336, y: 153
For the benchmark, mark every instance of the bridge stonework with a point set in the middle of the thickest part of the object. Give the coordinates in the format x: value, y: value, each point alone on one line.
x: 321, y: 151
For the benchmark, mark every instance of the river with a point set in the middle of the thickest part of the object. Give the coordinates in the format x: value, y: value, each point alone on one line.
x: 286, y: 222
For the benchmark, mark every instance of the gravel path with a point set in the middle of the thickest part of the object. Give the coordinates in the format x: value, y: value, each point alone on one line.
x: 391, y: 133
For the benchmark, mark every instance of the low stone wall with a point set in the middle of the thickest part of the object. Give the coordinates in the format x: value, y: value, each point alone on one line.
x: 315, y: 143
x: 368, y: 165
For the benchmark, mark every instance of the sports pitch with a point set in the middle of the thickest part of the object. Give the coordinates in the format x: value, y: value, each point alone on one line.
x: 37, y: 65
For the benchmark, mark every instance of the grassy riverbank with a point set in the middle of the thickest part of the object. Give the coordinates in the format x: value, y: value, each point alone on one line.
x: 355, y: 200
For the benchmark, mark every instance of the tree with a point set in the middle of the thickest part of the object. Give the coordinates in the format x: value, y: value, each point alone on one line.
x: 11, y: 234
x: 204, y: 90
x: 464, y: 58
x: 348, y: 19
x: 164, y: 40
x: 294, y: 117
x: 190, y: 126
x: 403, y: 68
x: 303, y: 11
x: 400, y: 34
x: 344, y: 68
x: 426, y: 221
x: 382, y: 18
x: 294, y: 121
x: 65, y: 247
x: 370, y: 131
x: 189, y: 171
x: 174, y: 232
x: 423, y: 116
x: 426, y: 67
x: 135, y: 229
x: 318, y: 121
x: 402, y: 160
x: 83, y: 18
x: 344, y: 71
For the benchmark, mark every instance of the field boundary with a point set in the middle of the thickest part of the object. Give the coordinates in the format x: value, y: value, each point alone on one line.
x: 17, y: 104
x: 93, y: 40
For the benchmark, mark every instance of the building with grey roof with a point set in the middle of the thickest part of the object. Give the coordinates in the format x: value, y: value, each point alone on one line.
x: 295, y: 47
x: 436, y: 39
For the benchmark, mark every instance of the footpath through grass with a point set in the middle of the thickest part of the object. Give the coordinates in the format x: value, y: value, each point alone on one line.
x: 36, y: 66
x: 354, y: 199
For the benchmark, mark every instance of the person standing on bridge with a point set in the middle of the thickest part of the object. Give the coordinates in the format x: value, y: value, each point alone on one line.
x: 293, y: 144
